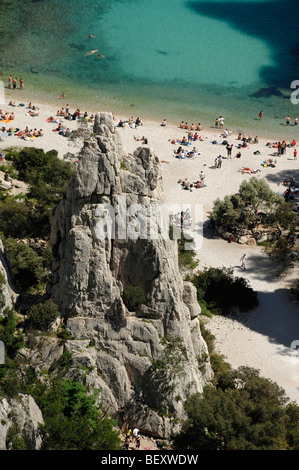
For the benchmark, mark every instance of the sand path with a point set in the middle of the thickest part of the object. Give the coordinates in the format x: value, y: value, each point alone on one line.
x: 262, y: 338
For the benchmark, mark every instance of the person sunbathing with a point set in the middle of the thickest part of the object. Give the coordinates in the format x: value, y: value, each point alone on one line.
x: 247, y: 170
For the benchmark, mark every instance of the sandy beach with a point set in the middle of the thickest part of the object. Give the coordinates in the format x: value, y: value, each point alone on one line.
x: 262, y: 338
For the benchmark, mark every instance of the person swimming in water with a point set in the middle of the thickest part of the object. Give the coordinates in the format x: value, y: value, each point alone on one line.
x: 101, y: 56
x: 91, y: 52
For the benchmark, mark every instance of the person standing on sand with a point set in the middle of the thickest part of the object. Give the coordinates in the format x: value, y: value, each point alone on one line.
x: 243, y: 261
x: 21, y: 84
x: 295, y: 154
x: 9, y: 81
x: 14, y: 83
x: 229, y: 148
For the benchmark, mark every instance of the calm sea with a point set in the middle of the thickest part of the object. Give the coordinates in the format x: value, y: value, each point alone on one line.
x: 183, y: 60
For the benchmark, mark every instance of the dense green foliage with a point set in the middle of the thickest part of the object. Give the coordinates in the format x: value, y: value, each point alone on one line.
x: 244, y: 412
x: 40, y: 316
x: 221, y: 291
x: 133, y: 297
x: 27, y: 266
x: 254, y: 203
x: 74, y: 420
x: 9, y: 335
x: 48, y: 178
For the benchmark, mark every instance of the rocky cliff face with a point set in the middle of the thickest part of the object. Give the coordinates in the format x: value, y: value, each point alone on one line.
x: 146, y: 360
x: 23, y: 415
x: 8, y: 296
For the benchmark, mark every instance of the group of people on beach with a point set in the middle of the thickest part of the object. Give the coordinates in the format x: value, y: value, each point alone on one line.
x: 192, y: 127
x: 66, y: 113
x: 288, y: 120
x: 6, y: 116
x: 130, y: 122
x: 13, y: 83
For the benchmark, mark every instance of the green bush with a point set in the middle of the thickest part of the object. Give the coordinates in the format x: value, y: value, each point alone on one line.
x: 221, y: 291
x: 247, y: 412
x: 133, y: 297
x: 27, y: 266
x: 9, y: 335
x: 242, y: 210
x: 74, y: 421
x: 40, y: 316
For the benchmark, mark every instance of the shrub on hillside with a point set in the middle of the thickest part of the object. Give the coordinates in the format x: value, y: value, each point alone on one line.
x: 244, y: 412
x: 221, y: 291
x: 27, y: 266
x: 40, y: 316
x: 133, y: 297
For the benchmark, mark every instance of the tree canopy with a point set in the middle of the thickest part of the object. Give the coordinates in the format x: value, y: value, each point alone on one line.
x: 244, y: 412
x: 244, y: 209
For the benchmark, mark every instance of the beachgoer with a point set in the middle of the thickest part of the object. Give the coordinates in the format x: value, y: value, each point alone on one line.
x: 14, y: 83
x: 91, y: 52
x: 219, y: 161
x: 260, y: 115
x: 163, y: 122
x: 243, y: 261
x: 288, y: 120
x: 221, y: 121
x: 9, y: 81
x: 21, y: 84
x: 135, y: 433
x: 229, y: 148
x: 138, y: 442
x: 101, y: 56
x: 295, y: 154
x: 199, y: 128
x: 127, y: 443
x: 91, y: 36
x: 295, y: 121
x: 202, y: 176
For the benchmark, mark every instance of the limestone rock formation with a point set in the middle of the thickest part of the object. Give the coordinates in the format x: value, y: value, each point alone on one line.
x: 148, y: 359
x: 8, y: 295
x: 24, y: 415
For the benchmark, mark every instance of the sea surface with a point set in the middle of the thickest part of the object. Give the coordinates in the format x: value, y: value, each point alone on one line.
x: 174, y: 59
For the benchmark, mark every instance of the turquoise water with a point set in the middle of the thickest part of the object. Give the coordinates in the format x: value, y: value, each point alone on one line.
x: 183, y: 60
